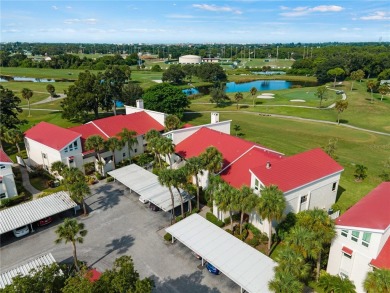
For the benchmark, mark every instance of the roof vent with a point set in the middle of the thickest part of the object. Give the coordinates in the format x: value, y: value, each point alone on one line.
x: 268, y: 166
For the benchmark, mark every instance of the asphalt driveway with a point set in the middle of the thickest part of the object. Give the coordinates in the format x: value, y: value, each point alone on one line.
x: 119, y: 224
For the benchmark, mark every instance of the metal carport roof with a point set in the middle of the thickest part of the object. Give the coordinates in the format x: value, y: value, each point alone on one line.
x: 32, y: 211
x: 146, y: 184
x: 7, y: 276
x: 243, y: 264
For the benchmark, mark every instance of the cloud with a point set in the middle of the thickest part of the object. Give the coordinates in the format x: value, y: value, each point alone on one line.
x: 304, y: 10
x: 11, y: 31
x: 216, y: 8
x: 77, y: 20
x: 68, y: 7
x: 344, y: 29
x: 55, y: 7
x: 378, y: 15
x: 145, y: 30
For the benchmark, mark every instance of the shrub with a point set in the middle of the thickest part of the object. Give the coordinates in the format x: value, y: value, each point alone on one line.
x: 168, y: 237
x: 236, y: 217
x: 227, y: 221
x: 213, y: 219
x: 109, y: 179
x: 89, y: 168
x: 256, y: 232
x: 284, y: 227
x: 178, y: 218
x: 229, y: 231
x: 99, y: 176
x: 253, y: 242
x: 264, y: 238
x: 195, y: 211
x: 244, y: 234
x: 6, y: 202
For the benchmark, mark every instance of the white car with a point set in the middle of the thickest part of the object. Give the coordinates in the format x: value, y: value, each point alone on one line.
x: 19, y: 232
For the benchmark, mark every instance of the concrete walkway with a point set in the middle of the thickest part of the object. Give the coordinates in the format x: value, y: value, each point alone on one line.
x: 26, y: 182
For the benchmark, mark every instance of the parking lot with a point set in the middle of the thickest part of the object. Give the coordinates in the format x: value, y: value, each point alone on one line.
x: 119, y: 224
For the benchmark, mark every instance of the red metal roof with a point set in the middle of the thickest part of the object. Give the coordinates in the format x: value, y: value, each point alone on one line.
x: 383, y: 259
x: 187, y: 125
x: 298, y: 170
x: 372, y: 211
x: 231, y: 147
x: 347, y: 250
x: 140, y: 122
x: 237, y: 174
x: 51, y: 135
x: 4, y: 158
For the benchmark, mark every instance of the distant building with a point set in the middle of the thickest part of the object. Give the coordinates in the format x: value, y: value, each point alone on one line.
x: 210, y: 60
x: 362, y: 242
x: 190, y: 59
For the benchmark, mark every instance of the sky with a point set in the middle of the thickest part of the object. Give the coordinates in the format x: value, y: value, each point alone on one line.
x: 187, y: 21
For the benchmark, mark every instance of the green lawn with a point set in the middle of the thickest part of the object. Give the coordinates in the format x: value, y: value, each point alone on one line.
x: 49, y: 73
x: 291, y: 137
x: 40, y: 87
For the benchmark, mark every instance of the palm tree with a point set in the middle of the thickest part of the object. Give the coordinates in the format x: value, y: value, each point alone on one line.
x: 247, y: 202
x: 253, y: 92
x: 336, y: 284
x: 166, y: 148
x: 340, y: 107
x: 285, y: 283
x: 71, y: 231
x: 152, y: 140
x: 165, y: 177
x: 384, y: 89
x: 193, y: 167
x: 377, y: 281
x: 58, y: 167
x: 178, y: 179
x: 95, y: 143
x: 172, y: 122
x: 129, y: 137
x: 51, y: 90
x: 212, y: 160
x: 14, y: 136
x: 225, y: 198
x: 292, y: 262
x: 114, y: 144
x: 238, y: 97
x: 79, y: 190
x: 271, y: 207
x: 322, y: 226
x: 27, y: 94
x: 371, y: 86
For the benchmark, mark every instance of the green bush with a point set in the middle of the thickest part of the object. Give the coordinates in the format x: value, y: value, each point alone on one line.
x: 253, y: 242
x: 213, y: 219
x: 109, y: 179
x: 256, y: 232
x: 284, y: 227
x: 195, y: 211
x: 236, y: 218
x: 244, y: 234
x: 229, y: 231
x: 227, y: 221
x: 264, y: 238
x: 168, y: 237
x: 6, y: 202
x: 178, y: 218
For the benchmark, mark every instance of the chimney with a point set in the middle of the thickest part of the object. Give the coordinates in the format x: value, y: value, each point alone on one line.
x: 140, y: 103
x: 214, y: 117
x: 268, y: 166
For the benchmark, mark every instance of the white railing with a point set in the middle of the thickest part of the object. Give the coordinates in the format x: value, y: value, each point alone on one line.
x: 335, y: 215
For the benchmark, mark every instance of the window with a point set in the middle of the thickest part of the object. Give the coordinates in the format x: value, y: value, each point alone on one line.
x: 2, y: 195
x: 124, y: 154
x: 135, y: 150
x: 355, y: 236
x: 257, y: 184
x: 303, y: 199
x: 334, y: 186
x: 66, y: 150
x: 344, y: 233
x: 2, y: 166
x: 366, y: 239
x: 75, y: 145
x: 71, y: 147
x: 347, y: 255
x: 44, y: 156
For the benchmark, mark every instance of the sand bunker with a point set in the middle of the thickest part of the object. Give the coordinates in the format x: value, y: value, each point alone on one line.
x: 265, y: 97
x: 301, y: 101
x: 157, y: 80
x: 267, y: 94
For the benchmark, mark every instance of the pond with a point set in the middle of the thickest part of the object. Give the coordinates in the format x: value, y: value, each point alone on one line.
x: 22, y: 78
x: 260, y: 85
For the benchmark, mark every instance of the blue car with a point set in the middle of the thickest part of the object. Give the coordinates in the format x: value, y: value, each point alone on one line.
x: 212, y: 269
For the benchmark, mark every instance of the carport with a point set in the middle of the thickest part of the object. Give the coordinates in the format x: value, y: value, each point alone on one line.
x: 243, y: 264
x: 35, y: 210
x: 146, y: 184
x: 25, y: 269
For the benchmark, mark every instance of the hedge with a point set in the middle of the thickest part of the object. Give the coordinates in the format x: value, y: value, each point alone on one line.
x: 168, y: 237
x: 213, y: 219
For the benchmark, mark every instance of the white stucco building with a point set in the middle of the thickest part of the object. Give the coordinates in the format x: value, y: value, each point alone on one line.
x: 7, y: 181
x: 308, y: 180
x: 362, y: 242
x: 47, y: 143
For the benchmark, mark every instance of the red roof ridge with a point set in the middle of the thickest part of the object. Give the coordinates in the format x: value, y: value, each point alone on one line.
x: 93, y: 123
